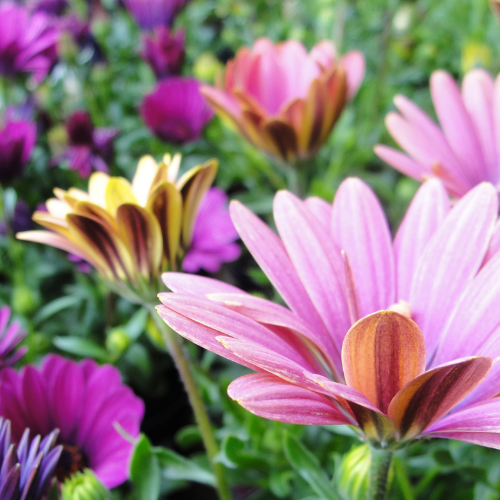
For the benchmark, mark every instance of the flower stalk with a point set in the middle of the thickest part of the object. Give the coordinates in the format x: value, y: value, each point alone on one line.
x: 379, y: 472
x: 176, y: 349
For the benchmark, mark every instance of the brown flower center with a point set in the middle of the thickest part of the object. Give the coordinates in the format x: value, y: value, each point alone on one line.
x: 72, y: 460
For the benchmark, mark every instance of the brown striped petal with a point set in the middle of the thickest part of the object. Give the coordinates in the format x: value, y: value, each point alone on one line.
x: 312, y: 118
x: 193, y: 186
x: 434, y: 393
x: 118, y: 192
x: 166, y: 204
x: 381, y: 353
x: 293, y: 113
x: 97, y: 213
x: 284, y: 138
x: 108, y: 252
x: 141, y: 232
x: 336, y: 98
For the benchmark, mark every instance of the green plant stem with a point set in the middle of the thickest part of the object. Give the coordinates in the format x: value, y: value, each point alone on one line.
x: 176, y: 349
x: 379, y: 472
x: 297, y: 179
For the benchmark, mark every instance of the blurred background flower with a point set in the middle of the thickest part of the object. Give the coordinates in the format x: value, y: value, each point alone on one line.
x: 28, y: 42
x: 10, y: 338
x: 89, y: 148
x: 86, y: 402
x: 150, y: 14
x: 26, y: 470
x: 284, y: 100
x: 213, y: 235
x: 164, y: 50
x: 17, y: 138
x: 465, y: 149
x: 176, y: 111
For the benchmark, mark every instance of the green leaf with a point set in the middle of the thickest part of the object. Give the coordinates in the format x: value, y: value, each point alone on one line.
x: 233, y: 454
x: 308, y: 467
x: 176, y: 467
x: 82, y: 347
x: 145, y: 470
x: 137, y: 324
x: 56, y: 306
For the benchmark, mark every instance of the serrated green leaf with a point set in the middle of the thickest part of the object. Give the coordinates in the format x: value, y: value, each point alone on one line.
x: 145, y: 470
x: 308, y: 467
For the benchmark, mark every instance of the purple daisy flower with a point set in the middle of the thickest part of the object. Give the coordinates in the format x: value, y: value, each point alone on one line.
x: 28, y: 41
x: 213, y: 235
x: 89, y: 148
x: 176, y: 111
x: 17, y: 138
x: 10, y: 338
x: 164, y: 51
x: 26, y: 470
x: 86, y: 402
x: 152, y: 13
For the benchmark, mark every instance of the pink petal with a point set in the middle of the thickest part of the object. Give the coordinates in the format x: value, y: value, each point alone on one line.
x: 425, y: 214
x: 450, y: 261
x: 479, y: 424
x: 477, y: 93
x: 321, y: 209
x: 359, y: 227
x: 270, y: 254
x: 197, y: 285
x: 270, y: 397
x: 354, y: 64
x: 317, y: 262
x: 457, y: 125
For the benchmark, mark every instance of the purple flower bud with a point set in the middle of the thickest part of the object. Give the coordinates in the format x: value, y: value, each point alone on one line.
x: 176, y: 111
x: 164, y: 51
x: 152, y: 13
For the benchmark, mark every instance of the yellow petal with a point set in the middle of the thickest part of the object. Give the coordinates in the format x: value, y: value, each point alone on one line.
x: 173, y: 168
x: 166, y: 204
x: 98, y: 183
x: 143, y: 178
x: 58, y: 208
x: 118, y: 192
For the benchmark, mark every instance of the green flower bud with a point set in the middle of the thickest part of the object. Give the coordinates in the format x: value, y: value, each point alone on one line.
x: 117, y: 341
x: 84, y: 486
x: 354, y: 473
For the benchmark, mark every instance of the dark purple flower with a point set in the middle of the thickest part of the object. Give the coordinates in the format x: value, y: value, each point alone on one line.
x: 213, y: 235
x: 10, y: 338
x: 86, y: 402
x: 52, y: 7
x: 176, y: 111
x: 89, y: 148
x: 28, y: 41
x: 17, y: 139
x: 20, y: 219
x: 164, y: 51
x: 152, y: 13
x: 26, y: 470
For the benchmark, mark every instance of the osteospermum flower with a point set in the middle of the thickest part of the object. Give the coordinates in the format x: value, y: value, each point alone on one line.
x: 17, y: 138
x: 86, y: 402
x: 28, y: 42
x: 10, y: 338
x: 331, y: 358
x: 150, y: 14
x: 164, y: 50
x: 26, y: 470
x: 129, y: 232
x: 89, y: 148
x: 213, y: 235
x: 465, y: 149
x: 176, y: 111
x: 284, y: 100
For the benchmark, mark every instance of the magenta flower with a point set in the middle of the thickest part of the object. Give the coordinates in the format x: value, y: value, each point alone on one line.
x: 17, y: 138
x: 465, y: 149
x: 213, y: 235
x: 26, y: 470
x: 176, y: 111
x: 317, y: 362
x: 86, y: 402
x: 28, y: 42
x: 10, y: 338
x: 150, y: 14
x: 89, y: 148
x: 164, y: 51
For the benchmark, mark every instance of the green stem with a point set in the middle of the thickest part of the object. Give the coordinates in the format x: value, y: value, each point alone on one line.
x: 379, y: 472
x: 180, y: 357
x: 297, y: 179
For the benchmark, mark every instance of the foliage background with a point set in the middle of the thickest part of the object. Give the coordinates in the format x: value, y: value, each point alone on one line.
x: 71, y: 312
